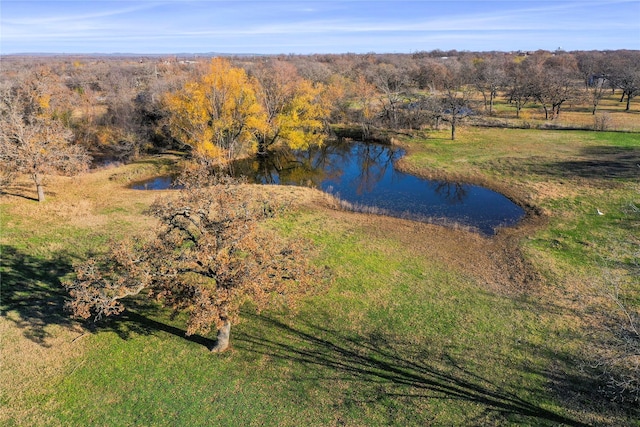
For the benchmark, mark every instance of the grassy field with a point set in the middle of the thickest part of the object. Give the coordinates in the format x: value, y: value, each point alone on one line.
x: 421, y: 325
x: 610, y: 111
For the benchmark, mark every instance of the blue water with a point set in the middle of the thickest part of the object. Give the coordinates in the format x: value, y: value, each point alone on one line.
x: 159, y: 183
x: 364, y: 175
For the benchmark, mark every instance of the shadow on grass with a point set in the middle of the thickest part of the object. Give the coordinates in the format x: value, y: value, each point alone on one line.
x: 393, y: 370
x: 130, y: 322
x: 382, y: 368
x: 20, y: 190
x: 31, y: 287
x: 597, y: 163
x: 16, y: 194
x: 583, y: 383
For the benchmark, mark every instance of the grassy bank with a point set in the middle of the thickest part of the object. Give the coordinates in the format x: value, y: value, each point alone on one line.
x: 421, y: 325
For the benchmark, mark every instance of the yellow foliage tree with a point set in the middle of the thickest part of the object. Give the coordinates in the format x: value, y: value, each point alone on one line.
x: 217, y: 115
x: 300, y: 122
x: 295, y: 107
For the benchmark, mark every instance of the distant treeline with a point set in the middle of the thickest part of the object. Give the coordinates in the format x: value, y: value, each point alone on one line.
x: 120, y: 106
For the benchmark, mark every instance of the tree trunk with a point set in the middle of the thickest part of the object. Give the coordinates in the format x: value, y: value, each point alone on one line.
x: 262, y: 150
x: 39, y: 187
x: 628, y: 101
x: 222, y: 342
x: 546, y: 111
x: 365, y: 131
x: 453, y: 128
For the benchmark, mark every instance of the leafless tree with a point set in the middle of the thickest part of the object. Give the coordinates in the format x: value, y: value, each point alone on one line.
x: 489, y: 78
x: 518, y: 88
x: 33, y: 136
x: 615, y: 352
x: 625, y: 74
x: 552, y: 81
x: 456, y: 97
x: 391, y: 83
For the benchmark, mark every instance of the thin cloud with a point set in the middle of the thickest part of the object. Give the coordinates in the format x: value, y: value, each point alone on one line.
x: 74, y: 18
x: 308, y: 26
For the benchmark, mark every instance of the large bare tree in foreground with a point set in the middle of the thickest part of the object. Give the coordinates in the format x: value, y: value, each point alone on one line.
x: 210, y: 255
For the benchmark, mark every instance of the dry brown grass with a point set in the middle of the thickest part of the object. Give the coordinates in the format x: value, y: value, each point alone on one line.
x: 29, y: 368
x: 572, y: 115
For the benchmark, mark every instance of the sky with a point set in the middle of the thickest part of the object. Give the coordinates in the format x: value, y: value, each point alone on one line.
x: 307, y: 27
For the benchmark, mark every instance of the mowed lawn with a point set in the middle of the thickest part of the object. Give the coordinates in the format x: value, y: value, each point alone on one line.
x: 406, y: 332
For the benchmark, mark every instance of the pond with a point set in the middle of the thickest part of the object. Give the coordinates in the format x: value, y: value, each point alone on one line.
x: 363, y: 175
x: 158, y: 183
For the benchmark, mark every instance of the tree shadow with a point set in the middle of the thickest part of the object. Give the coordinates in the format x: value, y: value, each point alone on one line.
x: 130, y: 322
x: 394, y: 369
x: 580, y: 382
x: 15, y: 194
x: 597, y: 163
x: 19, y: 189
x: 31, y: 287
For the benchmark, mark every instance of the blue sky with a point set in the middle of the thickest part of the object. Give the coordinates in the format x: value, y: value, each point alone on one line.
x: 197, y: 26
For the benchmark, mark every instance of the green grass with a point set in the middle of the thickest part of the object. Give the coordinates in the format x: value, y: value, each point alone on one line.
x: 570, y: 174
x: 398, y: 338
x: 392, y: 342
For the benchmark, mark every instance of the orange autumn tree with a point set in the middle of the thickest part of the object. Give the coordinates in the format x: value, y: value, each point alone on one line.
x: 210, y: 254
x: 364, y: 94
x: 218, y: 115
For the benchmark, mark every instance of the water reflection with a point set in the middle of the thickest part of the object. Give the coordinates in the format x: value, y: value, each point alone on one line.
x: 363, y: 175
x: 302, y: 168
x: 453, y: 192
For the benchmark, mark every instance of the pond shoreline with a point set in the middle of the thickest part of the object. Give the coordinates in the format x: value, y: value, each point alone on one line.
x: 366, y: 177
x: 534, y: 216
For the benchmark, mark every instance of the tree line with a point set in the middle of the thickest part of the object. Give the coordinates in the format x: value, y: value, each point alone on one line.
x: 56, y: 113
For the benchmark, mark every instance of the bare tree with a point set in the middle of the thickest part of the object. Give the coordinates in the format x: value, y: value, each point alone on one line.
x: 625, y: 74
x: 456, y: 99
x: 209, y: 255
x: 33, y: 137
x: 592, y: 68
x: 553, y: 83
x: 489, y: 78
x: 368, y: 109
x: 615, y: 350
x: 391, y: 83
x: 518, y: 85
